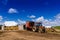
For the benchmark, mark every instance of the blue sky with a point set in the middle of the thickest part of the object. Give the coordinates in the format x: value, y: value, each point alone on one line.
x: 13, y: 10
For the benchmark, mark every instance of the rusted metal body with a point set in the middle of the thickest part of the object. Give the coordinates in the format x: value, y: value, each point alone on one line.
x: 29, y: 23
x: 34, y: 26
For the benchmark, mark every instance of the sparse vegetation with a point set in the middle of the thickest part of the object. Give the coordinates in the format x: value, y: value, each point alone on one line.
x: 57, y: 27
x: 11, y: 28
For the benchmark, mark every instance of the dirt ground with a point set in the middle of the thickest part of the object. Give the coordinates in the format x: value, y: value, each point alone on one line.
x: 27, y: 35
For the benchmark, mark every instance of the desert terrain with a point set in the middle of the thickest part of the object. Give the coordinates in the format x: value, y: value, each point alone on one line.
x: 28, y: 35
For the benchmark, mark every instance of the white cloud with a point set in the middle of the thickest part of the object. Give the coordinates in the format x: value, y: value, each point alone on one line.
x: 46, y: 22
x: 49, y: 22
x: 10, y: 23
x: 1, y: 23
x: 40, y: 19
x: 57, y: 16
x: 57, y: 19
x: 21, y: 21
x: 1, y: 18
x: 32, y: 16
x: 12, y: 10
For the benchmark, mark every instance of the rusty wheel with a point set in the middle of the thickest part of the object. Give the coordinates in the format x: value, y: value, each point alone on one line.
x: 40, y: 30
x: 34, y: 29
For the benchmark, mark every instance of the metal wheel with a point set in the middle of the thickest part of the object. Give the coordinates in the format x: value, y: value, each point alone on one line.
x: 40, y: 30
x: 34, y: 29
